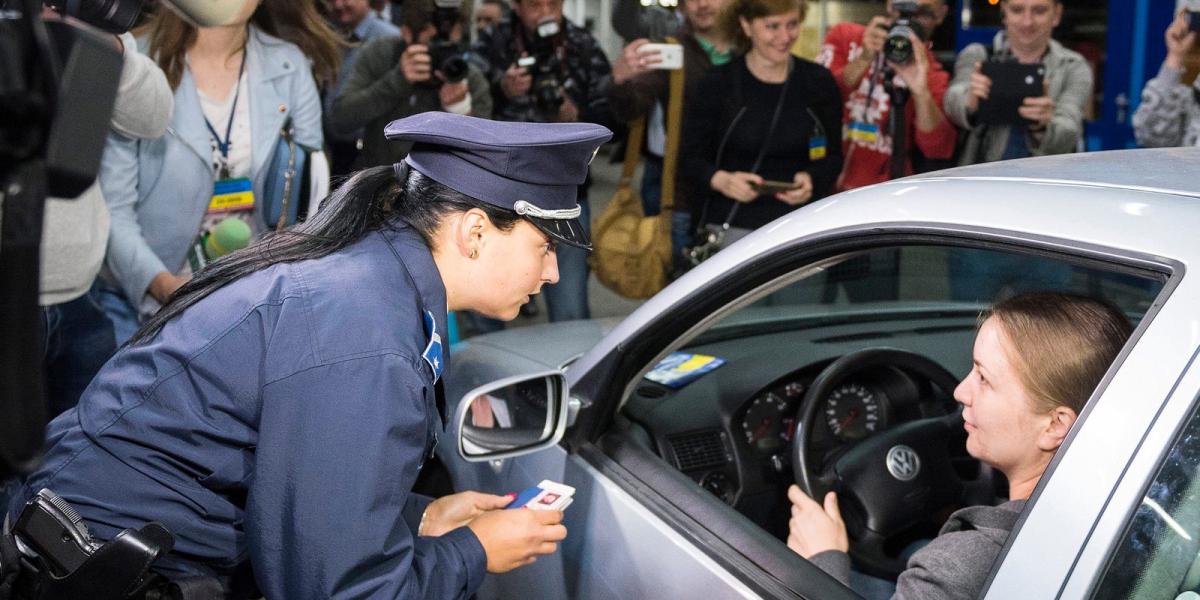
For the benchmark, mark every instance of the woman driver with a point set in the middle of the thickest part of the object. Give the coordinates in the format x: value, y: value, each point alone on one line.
x: 1037, y: 359
x: 274, y: 415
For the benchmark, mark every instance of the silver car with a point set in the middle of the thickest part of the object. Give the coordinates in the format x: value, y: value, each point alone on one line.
x: 819, y: 342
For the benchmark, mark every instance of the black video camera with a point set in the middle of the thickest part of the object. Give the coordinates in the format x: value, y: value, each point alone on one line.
x: 898, y: 47
x: 113, y: 16
x: 445, y: 54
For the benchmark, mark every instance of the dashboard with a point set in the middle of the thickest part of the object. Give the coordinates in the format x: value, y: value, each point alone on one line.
x: 731, y: 430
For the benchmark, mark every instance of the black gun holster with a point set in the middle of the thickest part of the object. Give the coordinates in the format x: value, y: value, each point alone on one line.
x: 115, y: 570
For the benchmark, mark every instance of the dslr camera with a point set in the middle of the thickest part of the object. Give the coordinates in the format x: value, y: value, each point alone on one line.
x: 445, y: 54
x: 897, y: 47
x: 545, y: 65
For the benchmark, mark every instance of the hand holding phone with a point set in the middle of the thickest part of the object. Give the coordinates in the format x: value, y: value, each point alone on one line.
x: 774, y: 187
x: 670, y: 56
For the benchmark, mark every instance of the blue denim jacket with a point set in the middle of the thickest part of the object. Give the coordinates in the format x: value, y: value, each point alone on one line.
x: 157, y: 190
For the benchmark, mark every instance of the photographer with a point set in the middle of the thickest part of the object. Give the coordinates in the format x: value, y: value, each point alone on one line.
x: 1169, y: 114
x: 359, y: 25
x: 856, y: 56
x: 543, y: 68
x: 640, y: 90
x: 420, y: 71
x: 1054, y: 120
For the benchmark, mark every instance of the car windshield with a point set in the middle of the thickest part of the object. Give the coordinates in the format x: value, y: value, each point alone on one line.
x: 912, y: 282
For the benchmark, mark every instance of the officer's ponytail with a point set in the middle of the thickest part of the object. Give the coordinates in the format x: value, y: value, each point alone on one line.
x: 369, y: 200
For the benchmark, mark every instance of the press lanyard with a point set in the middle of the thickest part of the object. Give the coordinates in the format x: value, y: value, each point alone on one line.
x: 223, y: 146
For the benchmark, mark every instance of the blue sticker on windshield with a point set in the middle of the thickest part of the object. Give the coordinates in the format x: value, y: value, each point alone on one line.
x: 433, y: 351
x: 681, y: 368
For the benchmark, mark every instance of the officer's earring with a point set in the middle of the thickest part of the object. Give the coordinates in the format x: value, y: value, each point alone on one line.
x: 474, y: 253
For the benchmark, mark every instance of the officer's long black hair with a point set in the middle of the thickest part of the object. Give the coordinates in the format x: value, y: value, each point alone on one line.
x: 371, y: 199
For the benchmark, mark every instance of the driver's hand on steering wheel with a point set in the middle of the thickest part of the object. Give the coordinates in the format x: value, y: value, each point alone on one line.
x: 814, y: 529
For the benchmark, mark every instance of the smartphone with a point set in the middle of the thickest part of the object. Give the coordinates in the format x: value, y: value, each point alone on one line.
x: 1012, y: 83
x: 1193, y: 18
x: 670, y: 55
x: 773, y: 187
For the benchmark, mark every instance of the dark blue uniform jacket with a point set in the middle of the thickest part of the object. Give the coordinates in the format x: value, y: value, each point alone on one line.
x: 283, y: 420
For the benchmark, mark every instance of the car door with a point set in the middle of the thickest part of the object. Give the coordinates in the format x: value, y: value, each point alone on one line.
x: 641, y: 527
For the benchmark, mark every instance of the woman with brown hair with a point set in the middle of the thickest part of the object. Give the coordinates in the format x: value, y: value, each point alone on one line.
x: 236, y: 87
x: 763, y: 133
x: 1037, y: 359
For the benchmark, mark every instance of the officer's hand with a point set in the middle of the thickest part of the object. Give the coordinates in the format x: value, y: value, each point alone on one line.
x: 415, y: 63
x: 451, y: 512
x: 516, y: 81
x: 515, y: 538
x: 567, y: 111
x: 737, y: 185
x: 873, y: 37
x: 981, y: 86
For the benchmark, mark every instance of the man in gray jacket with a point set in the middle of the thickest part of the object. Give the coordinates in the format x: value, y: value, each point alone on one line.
x: 1169, y: 114
x: 1054, y: 121
x: 395, y: 77
x: 78, y: 336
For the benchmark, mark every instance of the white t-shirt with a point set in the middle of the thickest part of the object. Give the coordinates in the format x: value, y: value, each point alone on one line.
x: 217, y: 113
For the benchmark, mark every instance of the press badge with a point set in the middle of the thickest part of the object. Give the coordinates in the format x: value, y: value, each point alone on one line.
x: 231, y: 195
x: 864, y: 132
x: 816, y: 148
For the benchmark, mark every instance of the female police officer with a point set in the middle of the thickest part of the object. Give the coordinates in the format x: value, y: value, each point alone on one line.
x: 279, y: 407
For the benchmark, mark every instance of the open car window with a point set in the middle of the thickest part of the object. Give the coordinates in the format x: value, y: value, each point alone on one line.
x: 723, y: 403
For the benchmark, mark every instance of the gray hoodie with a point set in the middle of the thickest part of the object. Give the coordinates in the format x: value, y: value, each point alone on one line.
x: 954, y: 565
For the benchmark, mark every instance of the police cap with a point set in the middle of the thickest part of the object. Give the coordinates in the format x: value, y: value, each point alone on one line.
x: 532, y: 169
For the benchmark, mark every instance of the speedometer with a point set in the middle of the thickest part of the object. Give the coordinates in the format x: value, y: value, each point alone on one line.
x: 764, y: 422
x: 853, y: 411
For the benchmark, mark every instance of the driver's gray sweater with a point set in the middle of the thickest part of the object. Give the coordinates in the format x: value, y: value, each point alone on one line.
x: 955, y: 564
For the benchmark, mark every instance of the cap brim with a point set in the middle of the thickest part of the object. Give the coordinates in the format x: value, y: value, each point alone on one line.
x: 567, y: 231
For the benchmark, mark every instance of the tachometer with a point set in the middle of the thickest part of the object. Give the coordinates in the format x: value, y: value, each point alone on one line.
x: 853, y: 411
x: 764, y: 422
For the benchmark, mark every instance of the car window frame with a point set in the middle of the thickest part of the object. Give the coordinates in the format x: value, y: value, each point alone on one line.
x: 629, y: 361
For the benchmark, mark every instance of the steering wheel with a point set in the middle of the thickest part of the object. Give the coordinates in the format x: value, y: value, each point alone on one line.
x: 891, y: 481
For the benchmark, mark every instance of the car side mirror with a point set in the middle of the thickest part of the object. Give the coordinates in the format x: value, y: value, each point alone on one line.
x: 512, y: 416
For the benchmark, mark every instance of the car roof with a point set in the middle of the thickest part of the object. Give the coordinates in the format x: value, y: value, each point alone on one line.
x: 1142, y: 201
x: 1168, y: 170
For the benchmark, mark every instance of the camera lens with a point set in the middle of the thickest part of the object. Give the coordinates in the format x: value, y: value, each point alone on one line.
x: 897, y: 47
x: 547, y: 95
x: 454, y: 69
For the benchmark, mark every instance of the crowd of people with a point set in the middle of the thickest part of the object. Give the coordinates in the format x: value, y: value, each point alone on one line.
x: 764, y: 131
x: 188, y: 167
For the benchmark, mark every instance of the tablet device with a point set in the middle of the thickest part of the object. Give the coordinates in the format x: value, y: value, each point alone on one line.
x: 1012, y: 83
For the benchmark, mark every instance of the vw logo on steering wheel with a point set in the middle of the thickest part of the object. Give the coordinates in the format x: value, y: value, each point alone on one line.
x: 903, y: 462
